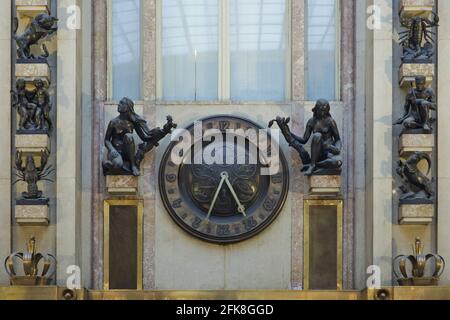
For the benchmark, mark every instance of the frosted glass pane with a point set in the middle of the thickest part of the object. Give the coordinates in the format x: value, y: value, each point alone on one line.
x: 190, y: 49
x: 258, y: 37
x: 126, y: 49
x: 321, y: 56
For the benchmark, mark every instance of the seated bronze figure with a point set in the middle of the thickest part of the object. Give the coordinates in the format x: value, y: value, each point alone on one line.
x: 326, y: 145
x: 418, y: 105
x: 123, y: 157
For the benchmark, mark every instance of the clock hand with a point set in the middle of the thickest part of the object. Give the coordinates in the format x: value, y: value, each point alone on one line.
x: 241, y: 208
x: 216, y: 195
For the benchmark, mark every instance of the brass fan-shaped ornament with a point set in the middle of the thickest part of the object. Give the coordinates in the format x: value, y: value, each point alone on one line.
x: 419, y: 261
x: 30, y: 261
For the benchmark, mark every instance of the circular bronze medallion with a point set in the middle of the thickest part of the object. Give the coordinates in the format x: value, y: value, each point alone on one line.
x: 229, y: 200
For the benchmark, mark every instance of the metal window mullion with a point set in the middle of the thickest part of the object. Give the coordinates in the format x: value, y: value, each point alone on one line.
x: 224, y: 51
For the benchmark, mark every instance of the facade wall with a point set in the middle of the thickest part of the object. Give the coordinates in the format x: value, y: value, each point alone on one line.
x: 370, y: 101
x: 5, y: 161
x: 288, y: 241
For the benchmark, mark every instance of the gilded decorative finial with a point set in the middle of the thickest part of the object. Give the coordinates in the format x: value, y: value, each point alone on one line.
x: 30, y: 262
x: 418, y: 261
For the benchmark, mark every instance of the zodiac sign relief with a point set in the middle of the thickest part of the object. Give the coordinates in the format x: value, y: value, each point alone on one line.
x: 42, y: 26
x: 416, y: 185
x: 33, y: 106
x: 417, y: 41
x: 419, y: 103
x: 32, y: 174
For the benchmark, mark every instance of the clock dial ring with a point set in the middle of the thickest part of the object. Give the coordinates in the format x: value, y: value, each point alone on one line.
x: 187, y: 192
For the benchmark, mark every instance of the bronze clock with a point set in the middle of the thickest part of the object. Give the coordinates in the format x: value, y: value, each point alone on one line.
x: 226, y: 202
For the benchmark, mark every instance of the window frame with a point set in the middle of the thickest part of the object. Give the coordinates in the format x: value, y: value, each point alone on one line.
x: 337, y: 80
x: 109, y: 57
x: 224, y: 54
x: 224, y: 65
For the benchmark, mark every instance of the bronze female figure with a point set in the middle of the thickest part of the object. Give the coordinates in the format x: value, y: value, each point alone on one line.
x: 123, y: 156
x: 326, y: 144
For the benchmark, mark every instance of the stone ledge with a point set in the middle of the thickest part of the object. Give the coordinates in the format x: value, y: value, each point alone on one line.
x: 31, y: 8
x: 411, y: 8
x: 32, y: 71
x: 410, y: 143
x: 122, y: 185
x: 32, y: 143
x: 325, y: 184
x: 32, y: 215
x: 409, y: 71
x: 416, y: 214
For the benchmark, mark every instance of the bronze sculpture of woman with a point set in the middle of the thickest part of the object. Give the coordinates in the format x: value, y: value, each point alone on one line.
x: 326, y: 144
x: 123, y: 155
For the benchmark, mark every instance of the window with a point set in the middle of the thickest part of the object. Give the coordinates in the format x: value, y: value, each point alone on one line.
x: 190, y: 49
x: 125, y: 49
x: 245, y: 39
x: 322, y: 53
x: 258, y: 45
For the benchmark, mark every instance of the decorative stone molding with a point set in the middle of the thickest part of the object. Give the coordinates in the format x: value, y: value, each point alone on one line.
x: 319, y: 185
x: 122, y: 185
x: 423, y: 8
x: 416, y: 142
x: 32, y: 214
x: 33, y: 143
x: 31, y: 8
x: 32, y: 71
x: 416, y: 214
x: 409, y: 71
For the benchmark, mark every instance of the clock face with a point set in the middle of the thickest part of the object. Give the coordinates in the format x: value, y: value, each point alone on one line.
x: 226, y: 201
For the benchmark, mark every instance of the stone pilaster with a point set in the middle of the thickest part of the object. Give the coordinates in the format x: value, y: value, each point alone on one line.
x: 379, y: 142
x: 348, y: 111
x: 149, y: 178
x: 297, y: 179
x: 443, y: 181
x: 5, y: 137
x: 68, y: 192
x: 99, y: 78
x: 361, y: 32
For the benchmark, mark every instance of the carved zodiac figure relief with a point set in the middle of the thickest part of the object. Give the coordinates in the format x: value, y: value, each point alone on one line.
x: 42, y: 26
x: 33, y: 106
x: 31, y: 174
x: 417, y: 41
x: 42, y: 101
x: 416, y: 185
x: 419, y: 103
